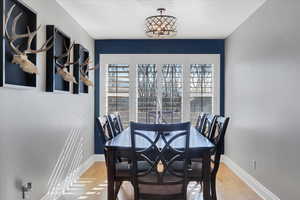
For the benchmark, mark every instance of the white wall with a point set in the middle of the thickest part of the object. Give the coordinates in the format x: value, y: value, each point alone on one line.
x: 262, y: 96
x: 34, y: 124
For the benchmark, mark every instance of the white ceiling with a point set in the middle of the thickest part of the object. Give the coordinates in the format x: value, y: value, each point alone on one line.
x: 124, y: 19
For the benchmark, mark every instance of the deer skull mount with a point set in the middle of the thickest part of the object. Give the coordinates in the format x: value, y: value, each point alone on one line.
x: 62, y: 69
x: 21, y: 57
x: 84, y: 72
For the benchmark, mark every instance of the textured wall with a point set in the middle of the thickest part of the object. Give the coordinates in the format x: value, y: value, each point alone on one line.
x: 262, y: 96
x: 34, y: 125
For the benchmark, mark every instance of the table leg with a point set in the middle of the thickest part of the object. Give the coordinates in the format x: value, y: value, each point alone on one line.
x: 110, y: 175
x: 206, y: 176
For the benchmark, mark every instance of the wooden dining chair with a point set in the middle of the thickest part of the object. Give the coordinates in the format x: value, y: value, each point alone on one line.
x: 120, y: 121
x: 109, y: 127
x: 114, y: 124
x: 160, y: 180
x: 200, y: 121
x: 102, y: 125
x: 208, y: 126
x: 217, y: 138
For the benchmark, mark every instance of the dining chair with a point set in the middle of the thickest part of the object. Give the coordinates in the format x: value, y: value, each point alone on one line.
x: 217, y: 138
x: 114, y: 124
x: 160, y: 180
x: 208, y: 126
x: 102, y: 124
x: 200, y: 121
x: 120, y: 121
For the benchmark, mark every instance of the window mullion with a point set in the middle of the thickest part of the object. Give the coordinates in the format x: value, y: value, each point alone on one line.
x: 133, y: 92
x: 186, y: 93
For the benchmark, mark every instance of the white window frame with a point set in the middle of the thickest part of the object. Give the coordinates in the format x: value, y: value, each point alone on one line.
x: 186, y: 60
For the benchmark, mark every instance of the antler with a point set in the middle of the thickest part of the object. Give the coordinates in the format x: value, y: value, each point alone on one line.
x: 84, y: 73
x: 86, y: 63
x: 30, y: 35
x: 62, y: 69
x: 67, y: 54
x: 20, y: 57
x: 14, y: 35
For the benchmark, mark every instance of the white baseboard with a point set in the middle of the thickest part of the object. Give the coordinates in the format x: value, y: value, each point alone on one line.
x: 90, y: 161
x: 98, y: 157
x: 260, y: 189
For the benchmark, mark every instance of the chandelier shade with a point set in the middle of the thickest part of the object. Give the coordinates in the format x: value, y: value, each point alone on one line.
x: 160, y: 26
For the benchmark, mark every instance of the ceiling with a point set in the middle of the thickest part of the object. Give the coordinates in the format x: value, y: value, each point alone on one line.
x: 124, y: 19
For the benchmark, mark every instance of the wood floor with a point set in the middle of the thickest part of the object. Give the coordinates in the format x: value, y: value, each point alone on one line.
x: 92, y: 186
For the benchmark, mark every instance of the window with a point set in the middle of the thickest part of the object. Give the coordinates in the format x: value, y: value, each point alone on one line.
x: 118, y: 91
x: 147, y: 91
x: 180, y: 86
x: 171, y: 93
x: 201, y: 93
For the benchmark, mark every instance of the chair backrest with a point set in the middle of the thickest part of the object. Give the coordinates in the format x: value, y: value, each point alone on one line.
x: 200, y: 121
x: 114, y: 127
x: 168, y: 144
x: 120, y: 121
x: 218, y: 140
x: 209, y: 125
x: 102, y: 125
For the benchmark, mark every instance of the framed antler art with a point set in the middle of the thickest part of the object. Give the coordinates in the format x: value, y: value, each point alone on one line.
x: 59, y: 76
x: 81, y: 70
x: 18, y: 47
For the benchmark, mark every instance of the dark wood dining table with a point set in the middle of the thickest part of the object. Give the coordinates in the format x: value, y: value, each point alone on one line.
x: 200, y: 147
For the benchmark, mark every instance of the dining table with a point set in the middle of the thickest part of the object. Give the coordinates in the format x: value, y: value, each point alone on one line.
x: 199, y: 148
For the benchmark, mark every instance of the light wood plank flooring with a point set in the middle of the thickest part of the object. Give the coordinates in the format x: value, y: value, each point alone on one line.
x: 92, y: 186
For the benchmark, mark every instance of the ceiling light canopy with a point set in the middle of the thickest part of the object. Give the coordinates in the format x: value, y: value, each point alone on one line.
x: 160, y: 26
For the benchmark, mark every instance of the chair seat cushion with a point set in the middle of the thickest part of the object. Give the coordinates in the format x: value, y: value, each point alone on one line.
x: 194, y: 169
x: 123, y: 168
x: 127, y: 192
x: 160, y: 189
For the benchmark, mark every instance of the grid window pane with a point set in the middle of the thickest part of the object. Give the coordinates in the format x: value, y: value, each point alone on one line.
x: 201, y: 90
x: 118, y: 91
x: 171, y: 93
x: 147, y: 92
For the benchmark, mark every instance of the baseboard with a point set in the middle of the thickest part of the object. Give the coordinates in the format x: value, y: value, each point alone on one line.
x: 98, y: 157
x: 90, y: 161
x: 255, y: 185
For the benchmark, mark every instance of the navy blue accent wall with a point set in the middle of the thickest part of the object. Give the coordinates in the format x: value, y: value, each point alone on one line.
x: 172, y: 46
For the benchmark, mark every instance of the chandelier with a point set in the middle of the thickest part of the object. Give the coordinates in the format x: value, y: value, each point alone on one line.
x: 160, y: 26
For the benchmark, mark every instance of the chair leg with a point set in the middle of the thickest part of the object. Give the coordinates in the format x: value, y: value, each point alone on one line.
x: 117, y: 189
x: 213, y: 188
x: 136, y: 196
x: 135, y: 190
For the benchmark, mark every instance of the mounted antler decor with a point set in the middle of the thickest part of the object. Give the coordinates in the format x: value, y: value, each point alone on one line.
x: 18, y: 66
x: 81, y: 69
x: 63, y: 68
x: 84, y: 70
x: 20, y: 56
x: 59, y: 61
